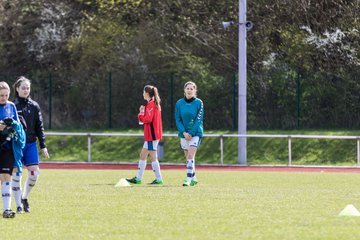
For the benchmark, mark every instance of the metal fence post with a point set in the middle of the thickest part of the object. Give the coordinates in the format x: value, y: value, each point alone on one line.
x: 358, y: 151
x: 289, y: 148
x: 221, y: 149
x: 89, y: 147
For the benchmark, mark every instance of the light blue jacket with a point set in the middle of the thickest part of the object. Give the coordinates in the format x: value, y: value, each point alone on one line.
x: 189, y: 115
x: 18, y: 143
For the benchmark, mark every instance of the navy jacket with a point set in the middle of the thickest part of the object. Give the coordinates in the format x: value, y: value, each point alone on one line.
x: 30, y: 110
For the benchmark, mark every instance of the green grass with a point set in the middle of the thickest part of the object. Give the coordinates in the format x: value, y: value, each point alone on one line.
x: 259, y: 150
x: 85, y: 204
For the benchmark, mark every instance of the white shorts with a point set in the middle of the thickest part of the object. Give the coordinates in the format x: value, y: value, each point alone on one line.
x: 193, y: 142
x: 151, y: 145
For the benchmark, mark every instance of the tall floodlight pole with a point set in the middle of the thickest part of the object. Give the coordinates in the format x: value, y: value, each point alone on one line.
x: 242, y: 112
x: 244, y: 26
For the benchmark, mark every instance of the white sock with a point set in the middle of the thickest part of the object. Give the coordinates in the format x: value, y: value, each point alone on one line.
x: 141, y: 169
x: 30, y: 183
x: 6, y: 195
x: 16, y: 188
x: 156, y: 168
x: 190, y: 169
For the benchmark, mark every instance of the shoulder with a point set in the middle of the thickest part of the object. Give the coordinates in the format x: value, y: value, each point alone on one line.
x: 180, y: 101
x: 11, y: 104
x: 33, y: 103
x: 198, y: 100
x: 151, y: 104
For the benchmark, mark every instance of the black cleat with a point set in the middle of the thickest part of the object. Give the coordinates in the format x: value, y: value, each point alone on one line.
x: 25, y: 205
x: 9, y: 214
x: 133, y: 180
x: 157, y: 182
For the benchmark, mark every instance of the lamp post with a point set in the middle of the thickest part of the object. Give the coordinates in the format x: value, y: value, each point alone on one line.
x: 242, y: 113
x: 244, y: 26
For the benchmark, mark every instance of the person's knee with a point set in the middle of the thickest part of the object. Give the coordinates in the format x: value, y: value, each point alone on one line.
x: 143, y: 154
x: 34, y: 174
x: 5, y: 177
x: 16, y: 181
x: 16, y: 176
x: 153, y: 156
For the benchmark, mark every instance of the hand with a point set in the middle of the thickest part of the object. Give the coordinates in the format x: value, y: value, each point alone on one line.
x: 2, y: 127
x: 142, y: 109
x: 45, y: 152
x: 187, y: 136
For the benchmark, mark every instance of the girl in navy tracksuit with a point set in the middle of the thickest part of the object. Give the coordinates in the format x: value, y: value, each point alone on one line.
x: 30, y: 111
x: 150, y: 116
x: 189, y: 115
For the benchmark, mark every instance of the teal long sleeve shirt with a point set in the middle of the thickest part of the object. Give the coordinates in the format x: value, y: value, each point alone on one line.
x: 189, y: 116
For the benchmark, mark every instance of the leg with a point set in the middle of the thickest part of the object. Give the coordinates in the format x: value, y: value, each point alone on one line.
x: 190, y: 163
x: 31, y: 161
x: 191, y: 153
x: 6, y: 194
x: 16, y: 189
x: 32, y: 177
x: 185, y: 153
x: 141, y: 167
x: 185, y: 146
x: 142, y: 163
x: 6, y: 168
x: 156, y: 167
x: 5, y: 177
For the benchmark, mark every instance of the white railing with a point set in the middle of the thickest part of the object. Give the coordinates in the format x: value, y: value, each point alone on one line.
x: 220, y: 136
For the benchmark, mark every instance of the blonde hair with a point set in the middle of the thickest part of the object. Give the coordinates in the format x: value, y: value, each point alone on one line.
x: 4, y: 85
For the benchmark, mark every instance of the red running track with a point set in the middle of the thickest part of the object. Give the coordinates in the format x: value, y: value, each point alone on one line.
x: 132, y: 166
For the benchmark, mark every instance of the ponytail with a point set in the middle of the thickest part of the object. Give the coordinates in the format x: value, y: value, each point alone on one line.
x: 153, y: 93
x: 157, y: 98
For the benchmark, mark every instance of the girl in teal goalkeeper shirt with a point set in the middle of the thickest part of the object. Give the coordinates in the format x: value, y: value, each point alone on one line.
x: 189, y: 115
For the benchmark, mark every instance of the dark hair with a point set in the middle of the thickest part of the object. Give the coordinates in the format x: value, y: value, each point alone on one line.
x: 18, y: 82
x: 153, y: 93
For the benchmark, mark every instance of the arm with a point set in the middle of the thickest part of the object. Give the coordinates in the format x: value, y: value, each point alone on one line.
x: 178, y: 121
x: 15, y: 114
x: 39, y: 130
x: 148, y: 115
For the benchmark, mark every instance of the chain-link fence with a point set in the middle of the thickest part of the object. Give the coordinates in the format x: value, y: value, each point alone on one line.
x: 276, y: 99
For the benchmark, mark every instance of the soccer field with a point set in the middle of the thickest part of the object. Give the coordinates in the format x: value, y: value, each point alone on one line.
x: 85, y: 204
